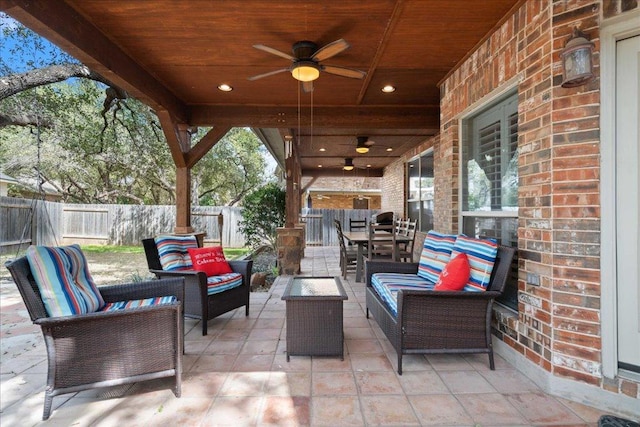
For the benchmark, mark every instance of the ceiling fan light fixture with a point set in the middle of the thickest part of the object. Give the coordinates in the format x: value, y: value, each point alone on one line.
x: 305, y: 71
x: 348, y: 164
x: 362, y: 147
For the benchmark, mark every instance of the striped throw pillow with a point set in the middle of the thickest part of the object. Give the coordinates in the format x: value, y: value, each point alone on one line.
x: 435, y: 255
x: 173, y: 251
x: 482, y: 255
x: 62, y: 276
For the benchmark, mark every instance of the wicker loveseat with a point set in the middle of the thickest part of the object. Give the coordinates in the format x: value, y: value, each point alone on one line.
x: 106, y: 348
x: 430, y: 321
x: 198, y: 302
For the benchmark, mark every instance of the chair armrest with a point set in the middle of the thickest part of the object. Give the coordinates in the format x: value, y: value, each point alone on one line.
x: 147, y: 289
x: 243, y: 267
x: 373, y: 266
x: 109, y: 317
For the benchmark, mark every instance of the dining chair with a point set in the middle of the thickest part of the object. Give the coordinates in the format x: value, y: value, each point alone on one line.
x: 348, y: 255
x: 405, y: 250
x: 357, y: 225
x: 382, y: 242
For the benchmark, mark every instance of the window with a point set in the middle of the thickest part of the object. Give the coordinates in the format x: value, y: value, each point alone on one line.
x: 420, y: 190
x: 489, y: 185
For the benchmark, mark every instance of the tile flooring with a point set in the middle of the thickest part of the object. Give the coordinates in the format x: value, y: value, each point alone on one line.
x: 238, y: 376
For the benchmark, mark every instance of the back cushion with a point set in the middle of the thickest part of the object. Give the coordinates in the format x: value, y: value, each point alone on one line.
x: 64, y: 281
x: 482, y: 255
x: 435, y: 255
x: 174, y: 251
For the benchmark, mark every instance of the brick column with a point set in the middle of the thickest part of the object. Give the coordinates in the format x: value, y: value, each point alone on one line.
x: 290, y: 245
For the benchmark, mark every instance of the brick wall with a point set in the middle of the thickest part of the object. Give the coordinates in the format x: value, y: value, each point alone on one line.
x: 341, y: 201
x: 558, y: 324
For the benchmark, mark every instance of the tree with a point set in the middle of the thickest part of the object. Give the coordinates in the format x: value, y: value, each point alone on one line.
x: 263, y: 212
x: 61, y: 123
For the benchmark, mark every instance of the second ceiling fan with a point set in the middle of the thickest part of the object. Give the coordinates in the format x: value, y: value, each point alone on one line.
x: 306, y: 62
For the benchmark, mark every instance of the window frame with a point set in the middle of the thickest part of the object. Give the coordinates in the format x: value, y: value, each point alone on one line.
x: 419, y: 200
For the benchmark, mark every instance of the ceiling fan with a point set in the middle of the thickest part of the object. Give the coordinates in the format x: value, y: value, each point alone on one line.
x: 306, y: 62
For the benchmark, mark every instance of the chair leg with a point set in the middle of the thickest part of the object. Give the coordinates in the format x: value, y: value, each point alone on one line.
x: 48, y: 402
x: 491, y: 362
x: 400, y: 363
x: 204, y: 326
x: 246, y: 310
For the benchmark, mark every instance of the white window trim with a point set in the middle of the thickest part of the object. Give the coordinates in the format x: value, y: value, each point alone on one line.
x: 510, y: 85
x: 611, y: 31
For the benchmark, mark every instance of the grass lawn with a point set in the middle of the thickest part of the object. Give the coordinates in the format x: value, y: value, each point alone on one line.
x: 229, y: 253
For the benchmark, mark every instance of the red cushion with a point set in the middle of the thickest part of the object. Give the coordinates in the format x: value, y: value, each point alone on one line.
x: 455, y: 275
x: 211, y: 260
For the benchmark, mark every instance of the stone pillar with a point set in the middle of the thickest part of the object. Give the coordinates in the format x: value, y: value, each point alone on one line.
x: 290, y: 243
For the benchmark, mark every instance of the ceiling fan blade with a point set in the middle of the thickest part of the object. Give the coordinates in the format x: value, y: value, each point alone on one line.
x: 274, y: 51
x: 331, y: 49
x: 270, y: 73
x: 307, y: 87
x: 344, y: 72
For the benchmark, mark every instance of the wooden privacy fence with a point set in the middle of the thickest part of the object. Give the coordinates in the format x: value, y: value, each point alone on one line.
x: 24, y: 221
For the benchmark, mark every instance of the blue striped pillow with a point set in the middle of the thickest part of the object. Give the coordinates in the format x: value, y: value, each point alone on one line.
x: 147, y: 302
x: 173, y: 251
x: 62, y: 276
x: 435, y: 255
x: 482, y: 255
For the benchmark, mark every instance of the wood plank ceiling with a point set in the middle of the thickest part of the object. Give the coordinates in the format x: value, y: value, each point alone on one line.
x: 174, y: 54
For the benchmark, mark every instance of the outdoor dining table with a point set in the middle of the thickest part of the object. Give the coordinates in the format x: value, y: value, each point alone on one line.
x: 361, y: 238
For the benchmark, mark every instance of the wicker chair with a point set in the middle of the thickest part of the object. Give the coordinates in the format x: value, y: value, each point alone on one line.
x: 198, y: 303
x: 101, y: 349
x: 431, y: 322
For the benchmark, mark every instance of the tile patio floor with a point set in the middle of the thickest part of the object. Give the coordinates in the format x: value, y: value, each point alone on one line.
x: 238, y: 376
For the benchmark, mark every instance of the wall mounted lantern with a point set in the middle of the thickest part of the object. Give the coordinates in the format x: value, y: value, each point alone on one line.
x: 577, y: 64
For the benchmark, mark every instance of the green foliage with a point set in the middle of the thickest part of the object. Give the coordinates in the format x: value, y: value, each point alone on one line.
x: 119, y: 157
x: 263, y: 211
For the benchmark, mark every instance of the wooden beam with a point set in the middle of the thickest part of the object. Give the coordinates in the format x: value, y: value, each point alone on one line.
x: 62, y: 25
x: 183, y: 200
x: 177, y: 145
x: 338, y: 172
x: 376, y: 117
x: 205, y: 144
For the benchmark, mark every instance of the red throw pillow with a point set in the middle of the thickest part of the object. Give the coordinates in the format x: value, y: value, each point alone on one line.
x: 211, y: 260
x: 455, y: 275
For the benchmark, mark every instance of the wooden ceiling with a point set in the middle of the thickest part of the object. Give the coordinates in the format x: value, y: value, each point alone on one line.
x: 173, y: 55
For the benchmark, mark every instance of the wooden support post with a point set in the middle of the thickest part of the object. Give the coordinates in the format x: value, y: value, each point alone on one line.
x: 183, y: 201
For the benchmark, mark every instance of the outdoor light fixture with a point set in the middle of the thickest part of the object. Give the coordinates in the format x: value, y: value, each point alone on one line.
x: 362, y: 147
x: 577, y: 65
x: 305, y: 71
x: 225, y: 87
x: 348, y: 164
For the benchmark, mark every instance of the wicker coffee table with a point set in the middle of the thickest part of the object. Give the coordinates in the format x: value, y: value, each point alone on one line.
x: 314, y: 316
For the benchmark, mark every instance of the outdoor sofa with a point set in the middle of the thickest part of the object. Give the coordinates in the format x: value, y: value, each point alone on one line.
x: 427, y: 321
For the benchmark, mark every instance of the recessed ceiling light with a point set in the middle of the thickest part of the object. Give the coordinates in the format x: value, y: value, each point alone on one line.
x: 288, y: 137
x: 388, y: 89
x: 225, y: 87
x: 319, y: 166
x: 368, y: 166
x: 389, y: 149
x: 323, y: 149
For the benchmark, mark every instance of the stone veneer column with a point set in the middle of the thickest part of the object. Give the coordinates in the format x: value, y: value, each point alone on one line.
x: 290, y: 243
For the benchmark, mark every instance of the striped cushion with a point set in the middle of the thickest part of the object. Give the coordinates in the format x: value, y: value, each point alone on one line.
x: 217, y: 284
x: 387, y: 286
x: 147, y: 302
x: 64, y: 281
x: 173, y: 251
x: 482, y: 255
x: 435, y: 255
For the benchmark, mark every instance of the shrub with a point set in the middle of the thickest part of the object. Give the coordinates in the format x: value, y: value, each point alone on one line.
x: 263, y: 212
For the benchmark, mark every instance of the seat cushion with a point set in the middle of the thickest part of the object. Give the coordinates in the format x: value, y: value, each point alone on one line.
x: 147, y: 302
x: 387, y: 285
x: 482, y: 256
x: 210, y: 260
x: 64, y: 281
x: 435, y: 255
x: 173, y: 251
x: 222, y: 282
